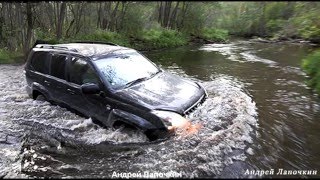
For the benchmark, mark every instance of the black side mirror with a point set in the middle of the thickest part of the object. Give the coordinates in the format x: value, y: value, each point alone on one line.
x: 90, y: 88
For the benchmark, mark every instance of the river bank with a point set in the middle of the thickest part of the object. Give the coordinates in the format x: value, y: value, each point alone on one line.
x: 152, y: 40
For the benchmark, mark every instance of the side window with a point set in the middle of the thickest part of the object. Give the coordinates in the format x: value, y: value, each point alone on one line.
x: 81, y: 72
x: 58, y: 63
x: 40, y: 62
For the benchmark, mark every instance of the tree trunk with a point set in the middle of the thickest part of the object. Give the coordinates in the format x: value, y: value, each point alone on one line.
x: 173, y: 15
x: 184, y: 12
x: 1, y: 24
x: 61, y: 19
x: 29, y: 29
x: 123, y: 12
x: 113, y: 18
x: 160, y: 12
x: 99, y: 15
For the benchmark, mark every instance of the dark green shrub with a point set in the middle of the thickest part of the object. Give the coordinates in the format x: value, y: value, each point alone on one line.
x: 105, y: 36
x: 219, y: 35
x: 163, y: 38
x: 311, y: 64
x: 7, y: 57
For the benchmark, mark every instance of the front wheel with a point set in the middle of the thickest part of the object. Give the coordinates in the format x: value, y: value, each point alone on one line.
x: 130, y: 131
x: 157, y: 134
x: 41, y: 98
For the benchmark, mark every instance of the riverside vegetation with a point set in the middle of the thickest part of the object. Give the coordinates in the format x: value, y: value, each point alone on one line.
x: 311, y: 64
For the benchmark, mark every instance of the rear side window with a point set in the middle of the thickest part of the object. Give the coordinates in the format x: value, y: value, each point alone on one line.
x: 81, y: 72
x: 58, y: 63
x: 40, y: 62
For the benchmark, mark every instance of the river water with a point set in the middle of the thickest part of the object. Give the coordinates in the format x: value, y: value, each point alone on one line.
x: 259, y: 115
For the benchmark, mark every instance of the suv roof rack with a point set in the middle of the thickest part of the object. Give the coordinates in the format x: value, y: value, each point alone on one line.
x: 54, y: 47
x: 97, y: 42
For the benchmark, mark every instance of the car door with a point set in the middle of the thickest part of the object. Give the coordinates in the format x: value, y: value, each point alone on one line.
x: 73, y: 88
x: 57, y: 80
x: 79, y: 73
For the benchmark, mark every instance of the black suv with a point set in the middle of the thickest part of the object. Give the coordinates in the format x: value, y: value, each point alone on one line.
x: 111, y: 84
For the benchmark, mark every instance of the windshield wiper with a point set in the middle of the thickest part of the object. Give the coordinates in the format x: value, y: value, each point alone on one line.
x: 153, y: 74
x: 135, y: 81
x: 140, y: 79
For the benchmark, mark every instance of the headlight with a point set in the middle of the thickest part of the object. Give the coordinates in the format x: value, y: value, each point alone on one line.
x: 170, y: 119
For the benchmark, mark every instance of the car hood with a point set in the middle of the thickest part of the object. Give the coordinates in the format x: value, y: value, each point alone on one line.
x: 165, y: 91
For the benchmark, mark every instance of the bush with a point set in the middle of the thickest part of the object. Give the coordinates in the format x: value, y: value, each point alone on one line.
x: 163, y: 38
x: 49, y: 37
x: 105, y: 36
x: 311, y: 64
x: 219, y: 35
x: 7, y: 57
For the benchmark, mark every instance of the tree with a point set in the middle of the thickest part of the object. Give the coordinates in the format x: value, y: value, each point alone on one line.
x: 61, y: 16
x: 26, y: 45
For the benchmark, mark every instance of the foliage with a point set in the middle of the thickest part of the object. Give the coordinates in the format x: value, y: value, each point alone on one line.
x: 308, y: 25
x: 311, y: 64
x: 46, y: 36
x: 136, y: 19
x: 163, y: 38
x: 104, y: 36
x: 194, y: 20
x: 271, y: 19
x: 10, y: 57
x: 155, y: 24
x: 218, y: 35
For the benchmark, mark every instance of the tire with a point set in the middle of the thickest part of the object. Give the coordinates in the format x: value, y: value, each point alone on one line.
x: 130, y: 130
x: 41, y: 98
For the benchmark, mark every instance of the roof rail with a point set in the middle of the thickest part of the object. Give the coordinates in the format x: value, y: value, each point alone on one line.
x: 54, y: 47
x: 96, y: 42
x: 39, y: 41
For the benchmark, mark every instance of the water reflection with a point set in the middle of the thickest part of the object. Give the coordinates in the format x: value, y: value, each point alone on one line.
x: 288, y: 110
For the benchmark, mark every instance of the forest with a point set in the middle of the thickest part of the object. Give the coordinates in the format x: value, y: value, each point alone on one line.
x: 157, y: 24
x: 148, y: 25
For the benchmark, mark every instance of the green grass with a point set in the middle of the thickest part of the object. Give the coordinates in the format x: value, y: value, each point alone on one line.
x: 156, y: 38
x: 218, y: 35
x: 311, y: 64
x: 161, y: 38
x: 104, y: 36
x: 7, y: 57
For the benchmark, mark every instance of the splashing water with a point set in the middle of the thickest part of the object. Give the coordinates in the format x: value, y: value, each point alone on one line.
x: 45, y: 140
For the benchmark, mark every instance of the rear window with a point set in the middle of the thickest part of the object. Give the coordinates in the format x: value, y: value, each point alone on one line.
x: 40, y: 62
x: 58, y: 63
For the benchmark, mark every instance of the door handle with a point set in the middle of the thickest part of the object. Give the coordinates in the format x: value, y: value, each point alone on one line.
x: 47, y: 82
x: 70, y: 91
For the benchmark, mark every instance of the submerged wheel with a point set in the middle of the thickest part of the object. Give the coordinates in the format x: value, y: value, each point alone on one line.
x: 130, y: 130
x: 40, y: 97
x: 157, y: 134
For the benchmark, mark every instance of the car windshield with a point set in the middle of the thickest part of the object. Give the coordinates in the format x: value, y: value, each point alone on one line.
x: 124, y: 67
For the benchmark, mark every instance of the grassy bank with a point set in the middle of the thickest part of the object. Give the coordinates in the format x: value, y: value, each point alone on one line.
x: 311, y: 64
x: 215, y: 35
x: 151, y: 39
x: 158, y: 38
x: 146, y: 40
x: 8, y: 57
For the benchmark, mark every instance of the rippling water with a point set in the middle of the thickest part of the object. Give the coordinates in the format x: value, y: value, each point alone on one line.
x: 259, y: 115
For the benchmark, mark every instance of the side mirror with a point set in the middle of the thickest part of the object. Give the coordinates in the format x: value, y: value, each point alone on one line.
x: 90, y: 88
